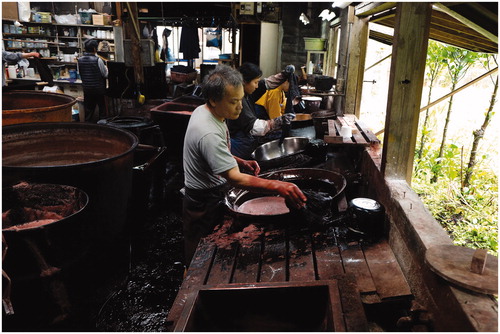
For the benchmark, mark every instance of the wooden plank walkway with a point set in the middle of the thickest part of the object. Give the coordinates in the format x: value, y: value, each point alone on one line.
x: 289, y: 253
x: 361, y: 134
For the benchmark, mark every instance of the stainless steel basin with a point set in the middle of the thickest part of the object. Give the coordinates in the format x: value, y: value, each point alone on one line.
x: 273, y: 149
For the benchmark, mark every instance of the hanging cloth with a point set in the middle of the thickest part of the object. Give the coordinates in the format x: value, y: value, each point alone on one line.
x: 293, y: 92
x: 190, y: 42
x: 154, y: 36
x: 165, y: 54
x: 214, y: 37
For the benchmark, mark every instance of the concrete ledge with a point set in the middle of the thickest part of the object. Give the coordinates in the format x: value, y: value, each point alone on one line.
x: 413, y: 230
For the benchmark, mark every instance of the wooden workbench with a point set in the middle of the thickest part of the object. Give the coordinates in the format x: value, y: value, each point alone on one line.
x: 239, y: 253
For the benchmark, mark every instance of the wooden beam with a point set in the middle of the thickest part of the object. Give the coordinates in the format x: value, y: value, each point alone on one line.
x: 409, y: 52
x: 358, y: 44
x: 484, y: 11
x: 118, y: 7
x: 371, y: 8
x: 339, y: 101
x: 381, y: 37
x: 378, y: 62
x: 459, y: 89
x: 330, y: 62
x: 135, y: 37
x: 383, y: 17
x: 466, y: 22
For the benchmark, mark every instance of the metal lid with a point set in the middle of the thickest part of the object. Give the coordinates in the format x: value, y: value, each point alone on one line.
x: 366, y: 204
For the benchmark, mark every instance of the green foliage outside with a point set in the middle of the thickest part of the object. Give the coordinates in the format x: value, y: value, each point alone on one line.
x: 470, y: 216
x: 468, y: 213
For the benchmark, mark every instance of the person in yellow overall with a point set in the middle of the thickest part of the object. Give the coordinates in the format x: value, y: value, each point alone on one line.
x: 274, y: 99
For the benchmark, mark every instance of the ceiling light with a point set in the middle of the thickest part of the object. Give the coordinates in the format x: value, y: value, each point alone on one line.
x: 326, y: 15
x: 340, y: 4
x: 304, y: 18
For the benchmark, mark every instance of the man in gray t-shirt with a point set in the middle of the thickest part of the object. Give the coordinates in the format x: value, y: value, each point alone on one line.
x: 206, y: 151
x: 209, y: 165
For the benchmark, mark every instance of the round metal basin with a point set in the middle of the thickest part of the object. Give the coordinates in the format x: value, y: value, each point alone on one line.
x: 273, y: 149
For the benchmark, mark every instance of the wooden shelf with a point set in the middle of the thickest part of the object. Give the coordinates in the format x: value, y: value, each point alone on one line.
x: 60, y: 41
x: 66, y: 63
x: 81, y: 25
x: 37, y: 23
x: 28, y: 35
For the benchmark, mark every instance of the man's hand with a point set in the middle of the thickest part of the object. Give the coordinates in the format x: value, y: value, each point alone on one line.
x: 292, y: 194
x: 248, y: 165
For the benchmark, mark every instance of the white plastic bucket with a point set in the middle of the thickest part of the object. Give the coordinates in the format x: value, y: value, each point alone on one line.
x: 11, y: 70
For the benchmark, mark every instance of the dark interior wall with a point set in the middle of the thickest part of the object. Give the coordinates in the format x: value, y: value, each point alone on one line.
x: 294, y: 31
x: 250, y: 43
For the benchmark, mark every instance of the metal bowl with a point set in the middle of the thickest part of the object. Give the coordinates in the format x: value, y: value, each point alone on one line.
x: 273, y: 149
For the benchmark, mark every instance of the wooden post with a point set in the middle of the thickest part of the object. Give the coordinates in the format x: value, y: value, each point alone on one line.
x: 331, y: 61
x: 119, y: 11
x: 409, y: 52
x: 352, y: 54
x: 345, y: 23
x: 134, y: 33
x: 358, y: 43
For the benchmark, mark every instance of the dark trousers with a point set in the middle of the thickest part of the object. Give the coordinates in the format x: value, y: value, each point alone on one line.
x: 201, y: 212
x: 91, y: 100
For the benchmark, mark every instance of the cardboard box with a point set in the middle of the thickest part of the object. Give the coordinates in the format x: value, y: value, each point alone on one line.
x: 45, y: 17
x: 9, y: 11
x: 101, y: 19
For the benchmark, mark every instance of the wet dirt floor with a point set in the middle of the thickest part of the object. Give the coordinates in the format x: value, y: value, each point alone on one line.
x: 140, y: 303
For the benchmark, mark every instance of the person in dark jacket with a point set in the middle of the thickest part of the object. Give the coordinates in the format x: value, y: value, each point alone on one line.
x: 248, y: 131
x: 93, y: 73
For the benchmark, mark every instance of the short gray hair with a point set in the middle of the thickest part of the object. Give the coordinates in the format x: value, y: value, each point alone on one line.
x: 215, y: 83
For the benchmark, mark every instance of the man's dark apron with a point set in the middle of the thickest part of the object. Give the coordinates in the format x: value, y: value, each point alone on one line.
x: 202, y: 211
